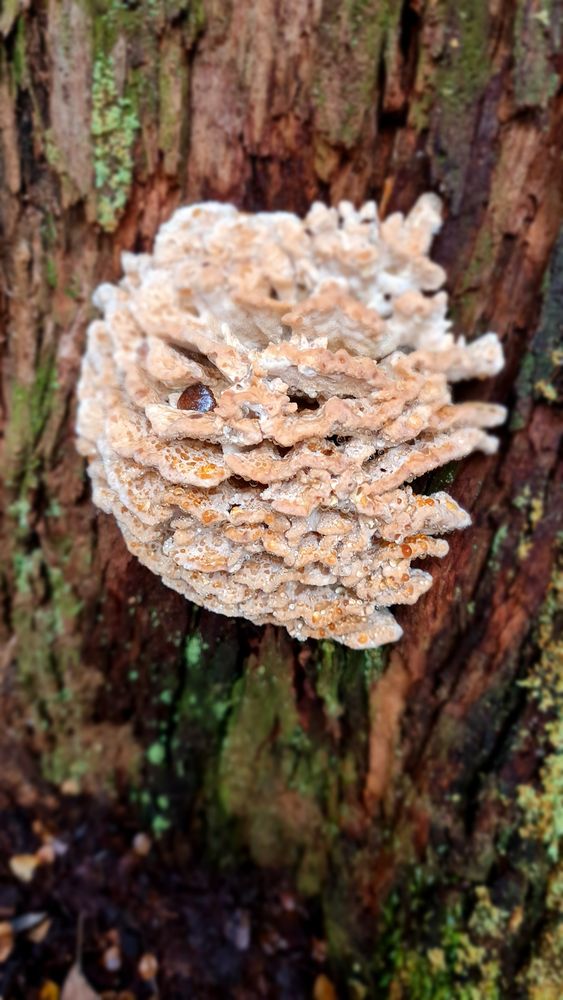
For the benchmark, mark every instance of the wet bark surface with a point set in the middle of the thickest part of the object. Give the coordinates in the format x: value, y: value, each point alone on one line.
x: 409, y: 797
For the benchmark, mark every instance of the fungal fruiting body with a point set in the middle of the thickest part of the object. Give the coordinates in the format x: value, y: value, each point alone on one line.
x: 256, y: 398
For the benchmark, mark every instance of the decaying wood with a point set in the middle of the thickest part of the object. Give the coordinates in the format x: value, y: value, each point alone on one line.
x: 391, y: 787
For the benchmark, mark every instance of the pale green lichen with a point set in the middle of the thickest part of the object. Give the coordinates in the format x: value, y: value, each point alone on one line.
x: 156, y: 754
x: 329, y: 679
x: 533, y: 507
x: 194, y: 650
x: 542, y: 806
x: 540, y: 369
x: 114, y: 127
x: 8, y: 15
x: 353, y: 34
x: 452, y: 72
x: 462, y: 961
x: 547, y: 390
x: 50, y: 679
x: 460, y: 951
x: 497, y: 544
x: 536, y: 41
x: 273, y: 780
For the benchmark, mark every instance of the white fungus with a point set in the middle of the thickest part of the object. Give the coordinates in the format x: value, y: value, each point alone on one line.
x: 256, y: 398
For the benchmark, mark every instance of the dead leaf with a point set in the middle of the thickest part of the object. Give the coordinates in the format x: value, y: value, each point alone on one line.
x: 76, y: 987
x: 70, y: 787
x: 23, y: 866
x: 6, y: 940
x: 112, y: 959
x: 142, y: 844
x: 46, y: 854
x: 516, y: 919
x: 148, y: 966
x: 39, y: 933
x: 323, y: 989
x: 49, y: 991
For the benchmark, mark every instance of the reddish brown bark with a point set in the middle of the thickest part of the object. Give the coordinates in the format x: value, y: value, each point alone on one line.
x: 392, y: 795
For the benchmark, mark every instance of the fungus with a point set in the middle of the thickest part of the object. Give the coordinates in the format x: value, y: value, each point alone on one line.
x: 257, y: 398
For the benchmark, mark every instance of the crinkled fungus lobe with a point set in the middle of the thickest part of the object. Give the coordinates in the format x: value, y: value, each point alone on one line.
x: 258, y: 395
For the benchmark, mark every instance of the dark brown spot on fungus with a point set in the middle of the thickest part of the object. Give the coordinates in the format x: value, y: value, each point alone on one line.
x: 197, y: 397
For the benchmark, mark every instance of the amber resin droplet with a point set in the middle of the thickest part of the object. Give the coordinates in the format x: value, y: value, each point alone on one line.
x: 197, y: 397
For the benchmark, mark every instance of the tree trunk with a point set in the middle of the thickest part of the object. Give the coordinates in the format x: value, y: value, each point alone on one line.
x: 409, y: 794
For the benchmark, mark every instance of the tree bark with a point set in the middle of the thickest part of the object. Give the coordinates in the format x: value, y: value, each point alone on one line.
x: 412, y: 793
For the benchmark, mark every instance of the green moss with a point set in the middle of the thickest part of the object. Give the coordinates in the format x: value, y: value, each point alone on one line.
x: 205, y: 697
x: 57, y: 689
x: 329, y: 679
x: 466, y: 65
x: 51, y: 272
x: 540, y: 371
x: 522, y: 500
x: 194, y: 650
x: 272, y: 777
x: 113, y: 127
x: 482, y: 259
x: 25, y: 569
x: 280, y: 783
x: 19, y: 61
x: 456, y: 956
x: 65, y: 605
x: 352, y: 38
x: 545, y: 389
x: 160, y: 824
x: 541, y: 804
x: 8, y: 15
x: 45, y: 614
x: 453, y: 71
x: 375, y: 663
x: 195, y: 21
x: 497, y: 544
x: 124, y: 114
x: 29, y: 410
x: 533, y: 507
x: 110, y: 18
x: 156, y: 754
x: 191, y: 696
x: 73, y: 290
x: 443, y: 477
x: 536, y: 41
x: 544, y: 974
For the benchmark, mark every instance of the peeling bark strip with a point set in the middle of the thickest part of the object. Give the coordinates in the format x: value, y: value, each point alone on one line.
x: 393, y: 791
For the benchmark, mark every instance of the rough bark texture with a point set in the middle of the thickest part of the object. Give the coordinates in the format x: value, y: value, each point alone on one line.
x: 413, y: 793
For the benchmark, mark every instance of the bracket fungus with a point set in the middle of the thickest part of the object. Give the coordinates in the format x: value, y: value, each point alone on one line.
x: 256, y: 399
